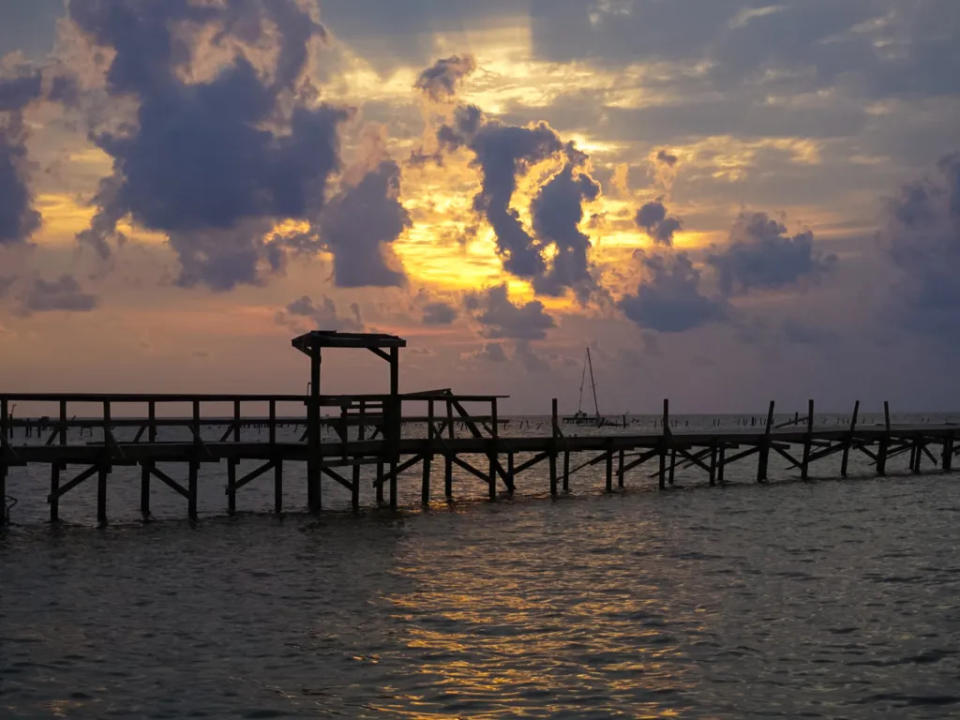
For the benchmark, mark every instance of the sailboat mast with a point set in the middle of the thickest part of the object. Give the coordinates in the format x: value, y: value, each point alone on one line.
x: 593, y: 383
x: 583, y: 376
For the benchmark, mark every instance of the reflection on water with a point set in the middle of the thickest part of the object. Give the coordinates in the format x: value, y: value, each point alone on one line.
x: 826, y: 599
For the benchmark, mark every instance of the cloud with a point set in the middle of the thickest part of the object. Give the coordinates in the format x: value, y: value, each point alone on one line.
x: 669, y: 299
x: 667, y: 158
x: 652, y: 218
x: 502, y: 152
x: 441, y: 80
x: 920, y: 232
x: 502, y: 319
x: 18, y: 218
x: 762, y: 256
x: 557, y: 211
x: 63, y: 293
x: 16, y: 92
x: 438, y: 313
x: 322, y: 316
x: 216, y: 160
x: 358, y: 226
x: 489, y: 352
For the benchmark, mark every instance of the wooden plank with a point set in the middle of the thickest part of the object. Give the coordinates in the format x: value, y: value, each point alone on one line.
x: 64, y: 489
x: 169, y: 482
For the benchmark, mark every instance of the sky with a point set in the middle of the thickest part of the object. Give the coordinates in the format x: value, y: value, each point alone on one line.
x: 729, y: 202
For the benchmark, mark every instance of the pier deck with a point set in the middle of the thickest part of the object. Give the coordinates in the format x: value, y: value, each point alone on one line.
x: 368, y: 432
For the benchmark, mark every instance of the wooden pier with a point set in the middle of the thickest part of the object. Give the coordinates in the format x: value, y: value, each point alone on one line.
x: 137, y: 430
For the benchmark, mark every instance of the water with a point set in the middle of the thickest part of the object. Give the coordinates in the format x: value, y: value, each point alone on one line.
x: 822, y: 599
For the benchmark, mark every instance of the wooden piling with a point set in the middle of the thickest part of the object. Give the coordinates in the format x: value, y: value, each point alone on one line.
x: 492, y: 474
x: 231, y: 486
x: 883, y: 444
x: 278, y: 485
x: 763, y: 456
x: 620, y: 467
x: 448, y: 457
x: 555, y: 430
x: 807, y: 440
x: 721, y: 463
x: 713, y: 464
x: 54, y: 492
x: 393, y: 484
x: 193, y: 471
x: 947, y: 457
x: 425, y: 481
x: 102, y: 495
x: 566, y: 471
x: 673, y: 464
x: 665, y: 420
x: 609, y: 470
x: 849, y: 441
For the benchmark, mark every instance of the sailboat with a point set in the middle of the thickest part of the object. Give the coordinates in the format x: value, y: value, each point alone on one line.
x: 580, y: 417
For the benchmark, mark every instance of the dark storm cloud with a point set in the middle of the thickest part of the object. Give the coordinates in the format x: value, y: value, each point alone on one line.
x: 64, y: 293
x: 653, y: 219
x: 359, y: 224
x: 762, y: 256
x: 921, y: 234
x: 669, y: 299
x: 667, y: 158
x: 557, y: 211
x: 503, y: 151
x: 440, y: 80
x: 438, y: 313
x: 502, y: 319
x: 15, y: 92
x: 18, y: 219
x: 200, y: 163
x: 322, y: 316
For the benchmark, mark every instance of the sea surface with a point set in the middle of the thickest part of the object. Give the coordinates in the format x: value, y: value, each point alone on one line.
x: 821, y: 599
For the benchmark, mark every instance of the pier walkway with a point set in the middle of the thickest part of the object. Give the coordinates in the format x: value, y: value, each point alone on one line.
x: 143, y: 431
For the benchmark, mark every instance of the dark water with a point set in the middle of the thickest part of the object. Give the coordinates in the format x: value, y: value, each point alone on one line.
x: 823, y: 599
x: 827, y: 599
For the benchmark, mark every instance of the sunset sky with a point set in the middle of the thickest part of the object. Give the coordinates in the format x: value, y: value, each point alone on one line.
x: 728, y: 201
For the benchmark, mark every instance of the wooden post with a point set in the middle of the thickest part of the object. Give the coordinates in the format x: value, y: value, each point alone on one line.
x: 947, y: 458
x: 393, y: 484
x: 379, y: 484
x: 510, y: 468
x: 193, y: 469
x: 54, y: 489
x: 620, y: 468
x: 663, y: 443
x: 884, y: 441
x: 314, y: 500
x: 764, y: 454
x: 393, y: 426
x: 849, y: 441
x: 102, y: 495
x: 425, y: 480
x: 566, y: 471
x: 492, y: 474
x: 721, y: 463
x: 278, y: 484
x: 553, y: 447
x: 3, y: 487
x: 673, y: 464
x: 231, y: 486
x: 713, y: 464
x: 145, y: 488
x: 448, y: 457
x: 609, y: 470
x: 805, y: 463
x: 273, y: 423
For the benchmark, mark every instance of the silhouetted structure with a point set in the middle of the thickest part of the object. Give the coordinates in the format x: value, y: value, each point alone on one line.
x: 377, y: 440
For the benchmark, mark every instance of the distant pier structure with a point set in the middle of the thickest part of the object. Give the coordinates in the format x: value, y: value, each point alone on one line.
x: 125, y: 430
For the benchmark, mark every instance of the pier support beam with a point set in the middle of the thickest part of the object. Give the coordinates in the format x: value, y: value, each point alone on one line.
x: 947, y: 457
x: 145, y: 489
x: 566, y: 471
x: 102, y: 472
x: 609, y: 470
x: 231, y: 486
x: 721, y: 463
x: 763, y: 456
x: 673, y: 464
x: 805, y: 462
x: 713, y: 464
x: 193, y: 472
x: 379, y: 484
x: 620, y: 467
x: 278, y: 485
x: 425, y: 480
x: 884, y: 443
x: 393, y: 484
x: 849, y: 441
x: 54, y: 492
